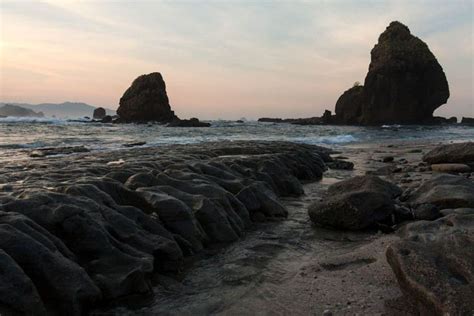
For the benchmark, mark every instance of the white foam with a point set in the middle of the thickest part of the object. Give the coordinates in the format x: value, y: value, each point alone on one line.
x: 17, y: 119
x: 391, y: 126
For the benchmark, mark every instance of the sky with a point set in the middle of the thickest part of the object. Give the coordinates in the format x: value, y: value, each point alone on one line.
x: 221, y: 59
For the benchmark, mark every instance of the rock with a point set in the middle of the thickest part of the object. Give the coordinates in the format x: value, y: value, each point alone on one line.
x: 404, y: 85
x: 107, y: 119
x: 295, y: 121
x: 354, y: 204
x: 385, y: 170
x: 462, y: 210
x: 146, y: 100
x: 327, y: 312
x: 444, y: 191
x: 192, y: 122
x: 340, y: 164
x: 349, y: 106
x: 99, y: 113
x: 467, y: 120
x: 17, y: 291
x: 101, y: 238
x: 452, y: 120
x: 135, y: 144
x: 270, y: 120
x: 213, y: 223
x: 450, y: 167
x: 177, y: 217
x: 451, y: 153
x: 42, y: 261
x: 434, y: 265
x: 126, y: 217
x: 387, y: 159
x: 327, y: 117
x: 427, y: 212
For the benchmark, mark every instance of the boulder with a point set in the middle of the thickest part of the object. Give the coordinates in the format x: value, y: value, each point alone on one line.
x: 101, y: 239
x: 404, y: 84
x: 444, y: 191
x: 47, y: 267
x: 17, y: 291
x: 467, y: 120
x: 146, y: 100
x: 451, y: 153
x: 192, y: 122
x: 99, y: 113
x: 340, y: 165
x: 451, y: 167
x: 327, y: 117
x: 107, y: 119
x: 354, y: 204
x: 176, y: 216
x: 434, y: 265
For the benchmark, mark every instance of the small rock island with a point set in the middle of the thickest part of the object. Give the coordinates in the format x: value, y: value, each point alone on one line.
x: 146, y: 100
x: 404, y: 85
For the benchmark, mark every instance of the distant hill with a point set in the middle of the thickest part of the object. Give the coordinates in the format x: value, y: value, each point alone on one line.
x: 19, y: 111
x: 62, y: 110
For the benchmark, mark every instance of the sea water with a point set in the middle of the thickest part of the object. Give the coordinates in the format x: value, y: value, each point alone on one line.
x: 20, y: 135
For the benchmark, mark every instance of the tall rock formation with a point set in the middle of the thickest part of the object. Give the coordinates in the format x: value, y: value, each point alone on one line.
x: 146, y: 100
x: 404, y: 85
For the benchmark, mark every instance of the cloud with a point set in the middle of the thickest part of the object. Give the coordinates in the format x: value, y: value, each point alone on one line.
x: 221, y: 59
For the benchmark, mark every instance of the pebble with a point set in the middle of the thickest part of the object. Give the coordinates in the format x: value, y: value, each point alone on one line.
x: 327, y: 312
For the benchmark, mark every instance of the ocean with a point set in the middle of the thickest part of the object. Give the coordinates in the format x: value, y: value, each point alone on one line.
x: 21, y: 135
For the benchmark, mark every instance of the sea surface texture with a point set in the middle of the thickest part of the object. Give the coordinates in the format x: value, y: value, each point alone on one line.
x: 20, y: 135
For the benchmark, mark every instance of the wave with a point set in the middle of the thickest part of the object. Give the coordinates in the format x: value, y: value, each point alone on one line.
x: 23, y: 146
x: 18, y: 119
x: 327, y: 140
x: 391, y: 126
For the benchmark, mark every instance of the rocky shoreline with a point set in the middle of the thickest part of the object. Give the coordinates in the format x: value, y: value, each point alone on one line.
x: 81, y: 229
x: 85, y: 230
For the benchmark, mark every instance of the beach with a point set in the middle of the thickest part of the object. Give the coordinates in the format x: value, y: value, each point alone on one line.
x: 272, y: 258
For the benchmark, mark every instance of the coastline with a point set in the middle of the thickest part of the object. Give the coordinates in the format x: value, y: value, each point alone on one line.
x: 277, y: 264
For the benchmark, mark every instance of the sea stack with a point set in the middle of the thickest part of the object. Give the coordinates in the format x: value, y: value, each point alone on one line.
x: 404, y: 85
x: 146, y: 100
x: 99, y: 113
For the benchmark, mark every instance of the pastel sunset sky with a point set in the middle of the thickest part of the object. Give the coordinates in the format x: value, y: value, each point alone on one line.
x: 221, y: 59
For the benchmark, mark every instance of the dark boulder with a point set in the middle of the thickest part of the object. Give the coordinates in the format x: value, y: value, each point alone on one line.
x: 33, y: 249
x: 327, y: 117
x: 404, y: 85
x: 354, y: 204
x: 467, y: 120
x: 17, y: 292
x: 99, y: 114
x: 107, y: 119
x: 192, y: 122
x: 146, y: 100
x: 444, y: 191
x: 338, y: 164
x: 451, y: 153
